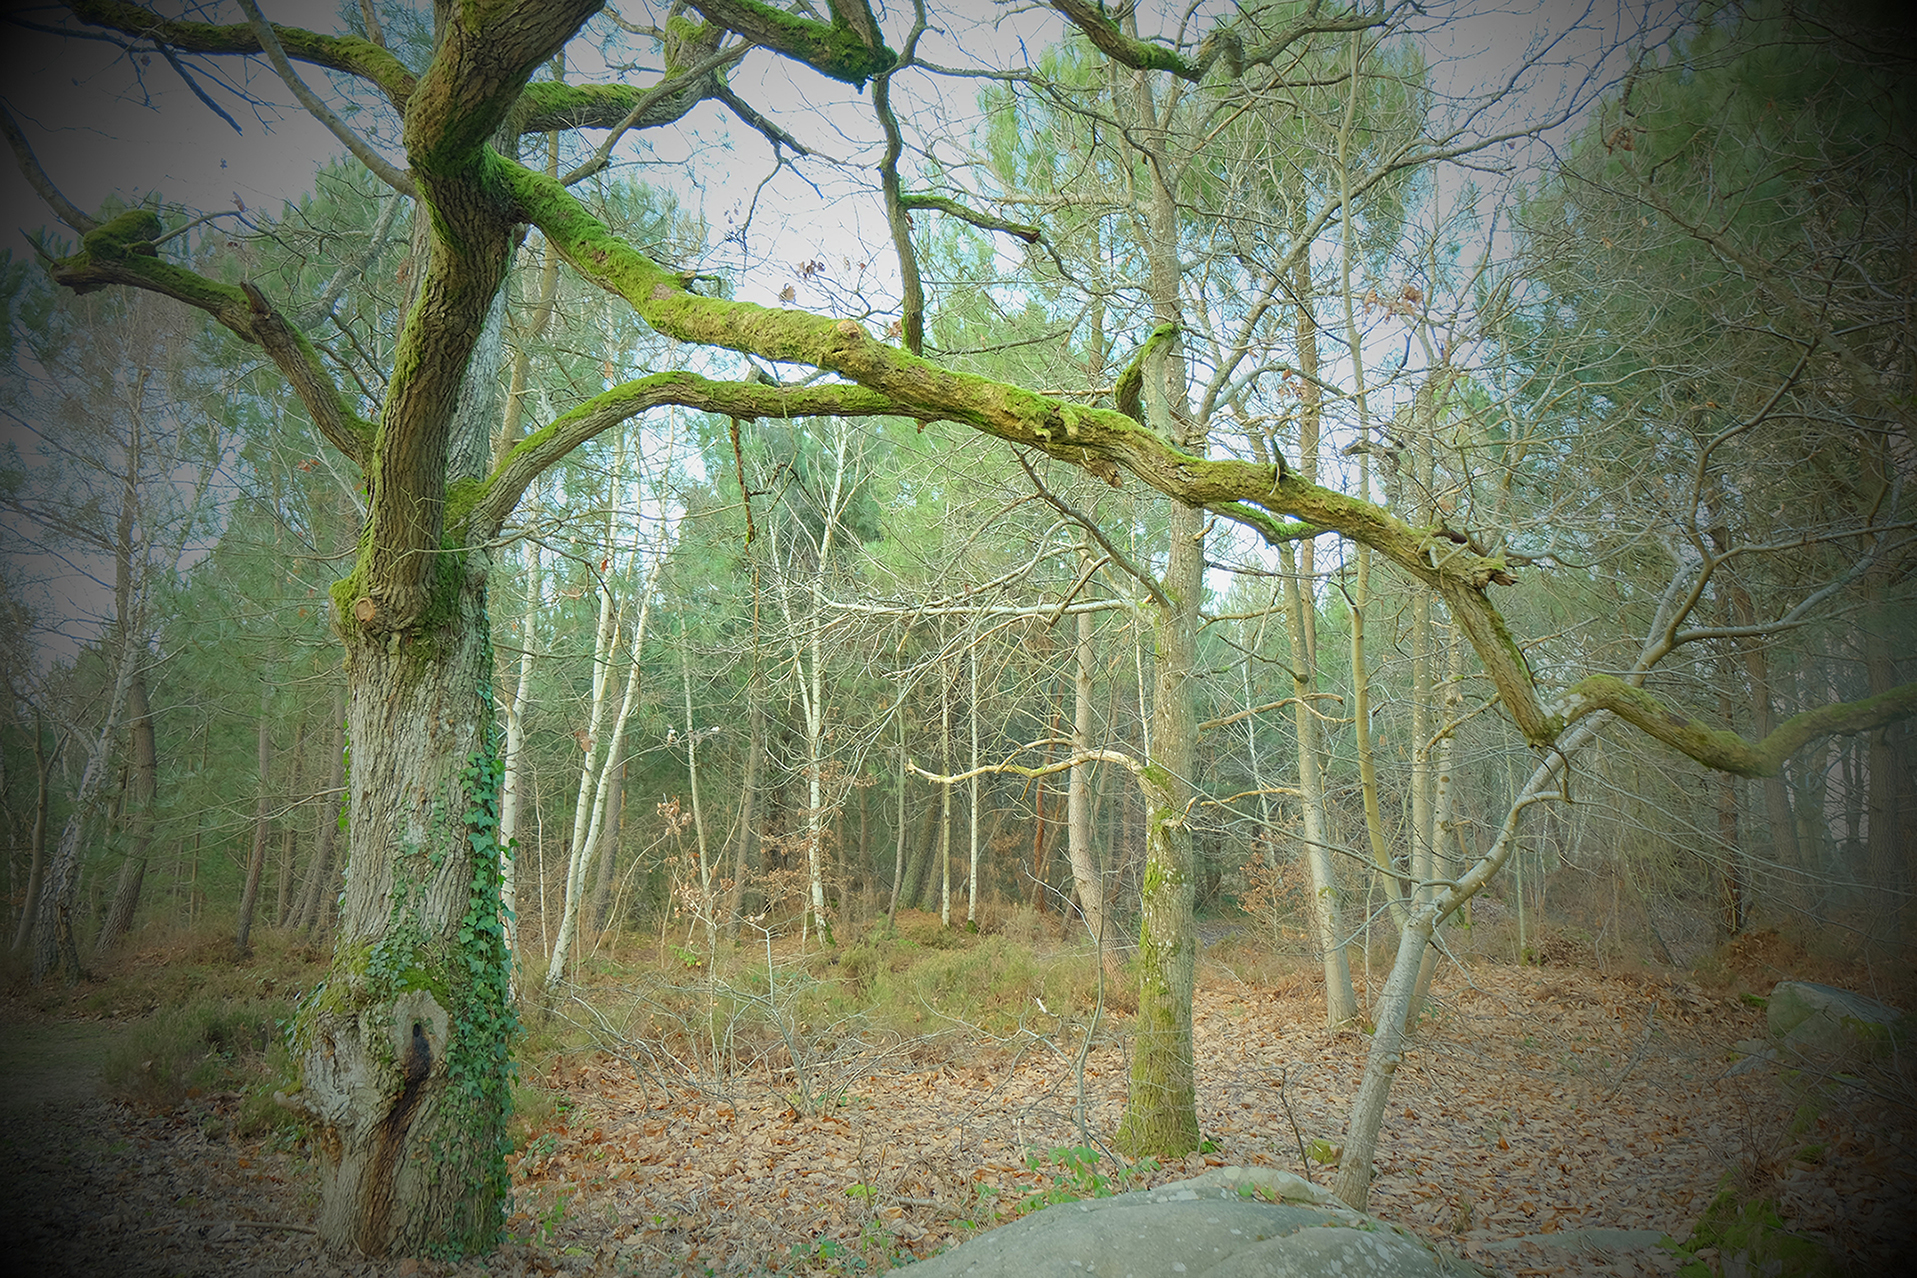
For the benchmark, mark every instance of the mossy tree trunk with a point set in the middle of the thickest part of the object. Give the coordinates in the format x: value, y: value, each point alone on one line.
x: 1161, y: 1110
x: 1161, y: 1105
x: 402, y: 1051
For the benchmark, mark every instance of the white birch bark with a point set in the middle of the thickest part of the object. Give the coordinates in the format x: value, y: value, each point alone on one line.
x: 583, y: 848
x: 512, y: 761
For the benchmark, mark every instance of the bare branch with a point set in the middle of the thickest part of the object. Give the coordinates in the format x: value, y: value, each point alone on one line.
x: 362, y: 150
x: 36, y: 176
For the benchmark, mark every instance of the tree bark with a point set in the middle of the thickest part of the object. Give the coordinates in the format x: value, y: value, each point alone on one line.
x: 289, y: 836
x: 43, y: 795
x: 1078, y: 807
x: 256, y: 860
x: 403, y: 1050
x: 139, y: 808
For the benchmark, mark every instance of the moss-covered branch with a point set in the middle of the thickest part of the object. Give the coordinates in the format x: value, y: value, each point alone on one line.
x: 745, y: 400
x: 1128, y: 50
x: 1720, y: 748
x: 836, y: 49
x: 349, y: 54
x: 122, y: 252
x: 1224, y: 47
x: 1094, y: 438
x: 984, y: 221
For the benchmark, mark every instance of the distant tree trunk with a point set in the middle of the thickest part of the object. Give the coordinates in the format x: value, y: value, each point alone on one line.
x: 512, y: 758
x: 587, y: 835
x: 256, y: 863
x: 1078, y: 806
x: 53, y: 941
x: 918, y: 876
x: 971, y: 822
x: 612, y: 821
x: 1886, y: 852
x: 898, y: 854
x: 144, y: 787
x: 319, y: 880
x: 1341, y: 1003
x: 708, y: 871
x: 43, y: 772
x: 748, y: 797
x: 945, y: 798
x: 289, y: 837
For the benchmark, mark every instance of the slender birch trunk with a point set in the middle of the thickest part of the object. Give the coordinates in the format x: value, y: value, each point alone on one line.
x: 43, y: 794
x: 1078, y: 803
x: 971, y: 881
x: 593, y: 793
x: 512, y: 757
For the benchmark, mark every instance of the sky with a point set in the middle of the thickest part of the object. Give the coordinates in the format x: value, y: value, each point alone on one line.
x: 105, y: 124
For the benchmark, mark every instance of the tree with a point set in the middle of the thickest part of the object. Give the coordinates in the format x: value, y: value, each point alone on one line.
x: 403, y: 1054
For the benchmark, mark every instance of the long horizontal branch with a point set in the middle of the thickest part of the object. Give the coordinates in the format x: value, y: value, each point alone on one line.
x: 1094, y: 438
x: 1122, y: 759
x: 350, y: 54
x: 746, y: 400
x: 1720, y: 748
x: 984, y: 221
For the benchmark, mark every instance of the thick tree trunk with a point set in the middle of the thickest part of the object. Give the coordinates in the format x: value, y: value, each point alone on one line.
x: 145, y: 786
x: 403, y: 1050
x: 1161, y: 1110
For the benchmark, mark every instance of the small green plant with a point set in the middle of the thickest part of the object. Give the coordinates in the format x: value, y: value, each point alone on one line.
x: 555, y: 1215
x: 1075, y: 1174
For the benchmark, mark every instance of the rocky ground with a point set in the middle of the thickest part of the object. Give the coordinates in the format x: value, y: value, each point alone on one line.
x: 1538, y: 1102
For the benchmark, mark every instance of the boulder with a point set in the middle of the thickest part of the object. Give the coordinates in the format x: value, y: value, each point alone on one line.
x: 1233, y: 1222
x: 1815, y: 1018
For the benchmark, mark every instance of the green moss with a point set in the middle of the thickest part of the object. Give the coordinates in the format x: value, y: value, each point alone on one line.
x: 1754, y: 1233
x: 134, y: 229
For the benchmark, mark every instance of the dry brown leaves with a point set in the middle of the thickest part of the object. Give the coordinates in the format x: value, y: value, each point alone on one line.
x: 1535, y: 1101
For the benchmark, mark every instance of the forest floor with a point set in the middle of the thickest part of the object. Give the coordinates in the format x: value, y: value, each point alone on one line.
x: 1535, y: 1101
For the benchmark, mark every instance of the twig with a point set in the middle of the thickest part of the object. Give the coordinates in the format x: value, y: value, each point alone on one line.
x: 1643, y: 1045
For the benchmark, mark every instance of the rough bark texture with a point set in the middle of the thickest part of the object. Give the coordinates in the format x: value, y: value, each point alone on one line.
x: 401, y: 1049
x: 143, y: 787
x: 1161, y: 1110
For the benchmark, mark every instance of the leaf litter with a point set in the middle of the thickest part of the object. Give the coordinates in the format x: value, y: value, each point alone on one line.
x: 1533, y: 1102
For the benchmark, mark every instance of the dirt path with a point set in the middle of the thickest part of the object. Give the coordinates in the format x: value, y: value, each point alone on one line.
x: 55, y: 1063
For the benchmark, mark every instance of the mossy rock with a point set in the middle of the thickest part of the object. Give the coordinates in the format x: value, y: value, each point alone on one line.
x: 1751, y: 1238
